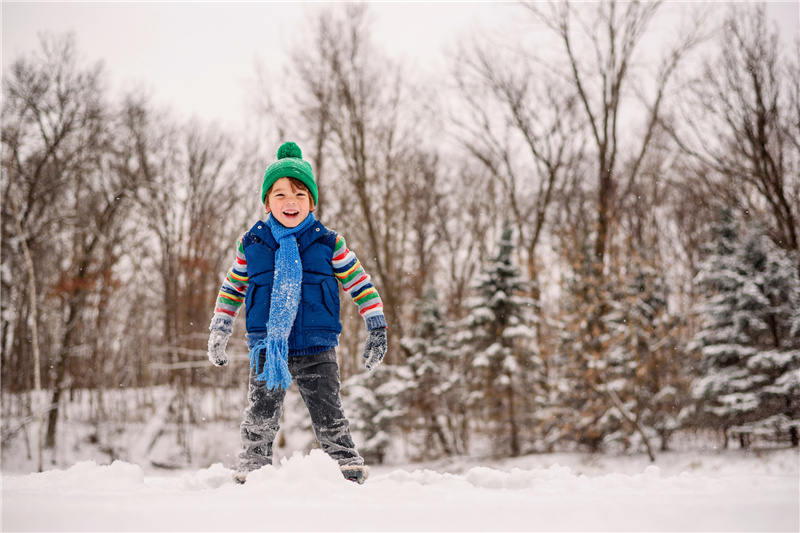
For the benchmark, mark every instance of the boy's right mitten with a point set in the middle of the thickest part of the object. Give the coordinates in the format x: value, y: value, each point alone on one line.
x: 221, y: 330
x: 217, y: 342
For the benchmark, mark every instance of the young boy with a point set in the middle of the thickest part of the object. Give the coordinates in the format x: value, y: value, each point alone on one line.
x: 285, y: 273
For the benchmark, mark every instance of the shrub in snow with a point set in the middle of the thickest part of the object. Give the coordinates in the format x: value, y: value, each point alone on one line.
x: 376, y: 403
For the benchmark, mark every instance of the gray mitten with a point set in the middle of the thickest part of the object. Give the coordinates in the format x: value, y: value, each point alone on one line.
x: 217, y: 342
x: 375, y: 348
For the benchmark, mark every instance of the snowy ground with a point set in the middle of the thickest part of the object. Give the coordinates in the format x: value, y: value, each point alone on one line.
x: 685, y: 491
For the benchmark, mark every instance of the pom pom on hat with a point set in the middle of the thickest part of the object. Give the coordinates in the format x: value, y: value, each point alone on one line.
x: 289, y: 149
x: 290, y: 164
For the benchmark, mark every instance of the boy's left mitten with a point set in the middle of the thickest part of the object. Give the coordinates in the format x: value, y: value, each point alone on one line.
x: 217, y: 342
x: 375, y: 348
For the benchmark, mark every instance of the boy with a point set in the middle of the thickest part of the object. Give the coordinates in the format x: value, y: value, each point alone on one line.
x: 285, y: 272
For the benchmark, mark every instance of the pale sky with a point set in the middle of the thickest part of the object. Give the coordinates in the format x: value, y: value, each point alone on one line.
x: 199, y: 57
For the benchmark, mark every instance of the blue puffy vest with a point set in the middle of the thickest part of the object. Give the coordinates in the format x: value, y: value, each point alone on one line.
x: 316, y: 327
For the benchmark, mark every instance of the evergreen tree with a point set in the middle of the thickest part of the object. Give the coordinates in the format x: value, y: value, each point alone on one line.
x: 496, y: 342
x: 748, y: 381
x: 435, y: 407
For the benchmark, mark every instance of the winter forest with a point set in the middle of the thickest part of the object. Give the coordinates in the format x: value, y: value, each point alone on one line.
x: 586, y: 237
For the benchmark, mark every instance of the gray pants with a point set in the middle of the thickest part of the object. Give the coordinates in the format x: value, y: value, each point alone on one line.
x: 317, y: 377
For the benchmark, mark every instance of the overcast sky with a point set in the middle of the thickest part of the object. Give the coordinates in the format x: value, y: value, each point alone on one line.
x: 200, y: 57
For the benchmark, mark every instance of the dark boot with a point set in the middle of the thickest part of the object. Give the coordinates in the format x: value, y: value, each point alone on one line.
x: 356, y: 473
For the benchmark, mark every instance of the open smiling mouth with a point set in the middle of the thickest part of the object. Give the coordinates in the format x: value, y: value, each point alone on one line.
x: 291, y: 213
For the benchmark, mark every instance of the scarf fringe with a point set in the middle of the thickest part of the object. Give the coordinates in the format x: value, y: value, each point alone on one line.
x: 275, y: 373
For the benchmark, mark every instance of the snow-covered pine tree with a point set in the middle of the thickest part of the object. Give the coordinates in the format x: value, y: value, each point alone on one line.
x: 436, y: 408
x: 498, y: 347
x: 749, y: 381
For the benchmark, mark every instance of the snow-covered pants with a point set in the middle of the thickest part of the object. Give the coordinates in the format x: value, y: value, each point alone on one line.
x: 317, y: 377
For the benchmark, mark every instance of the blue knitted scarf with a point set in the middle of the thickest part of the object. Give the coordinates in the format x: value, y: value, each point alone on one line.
x: 283, y: 307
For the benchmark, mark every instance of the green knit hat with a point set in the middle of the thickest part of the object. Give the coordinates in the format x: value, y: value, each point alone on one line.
x: 290, y: 164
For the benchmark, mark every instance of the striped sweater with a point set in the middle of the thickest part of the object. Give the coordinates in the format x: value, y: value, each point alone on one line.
x: 346, y: 268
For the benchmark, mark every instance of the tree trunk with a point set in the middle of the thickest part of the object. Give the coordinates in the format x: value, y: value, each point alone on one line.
x: 512, y: 419
x: 33, y: 315
x: 60, y: 370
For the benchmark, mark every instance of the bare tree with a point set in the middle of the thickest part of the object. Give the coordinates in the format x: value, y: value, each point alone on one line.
x: 611, y: 33
x: 739, y: 126
x: 522, y: 128
x: 466, y: 232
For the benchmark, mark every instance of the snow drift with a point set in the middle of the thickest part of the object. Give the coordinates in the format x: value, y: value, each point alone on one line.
x: 307, y: 492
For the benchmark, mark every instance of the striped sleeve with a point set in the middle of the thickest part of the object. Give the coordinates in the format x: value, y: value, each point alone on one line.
x: 357, y: 283
x: 234, y: 286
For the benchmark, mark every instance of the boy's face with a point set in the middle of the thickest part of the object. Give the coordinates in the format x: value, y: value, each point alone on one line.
x: 287, y: 203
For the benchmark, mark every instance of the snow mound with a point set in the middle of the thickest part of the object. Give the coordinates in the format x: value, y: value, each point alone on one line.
x: 315, y: 469
x: 211, y: 478
x: 550, y: 480
x: 84, y: 476
x: 308, y: 492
